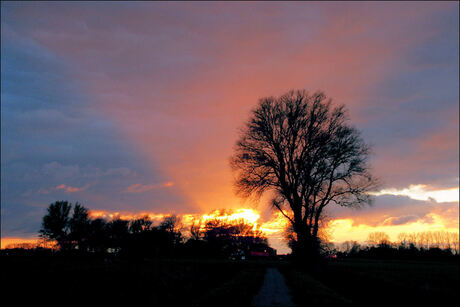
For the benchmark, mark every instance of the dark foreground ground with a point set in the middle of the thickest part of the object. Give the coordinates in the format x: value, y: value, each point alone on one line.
x: 363, y: 282
x: 65, y: 281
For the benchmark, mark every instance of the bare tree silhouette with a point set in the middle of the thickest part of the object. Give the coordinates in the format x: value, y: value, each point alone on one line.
x: 301, y: 148
x: 378, y: 238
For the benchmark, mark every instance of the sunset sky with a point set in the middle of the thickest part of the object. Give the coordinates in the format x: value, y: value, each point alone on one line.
x: 135, y: 107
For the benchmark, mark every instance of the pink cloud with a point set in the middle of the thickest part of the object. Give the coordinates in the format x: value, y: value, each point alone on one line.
x: 400, y: 220
x: 69, y: 188
x: 140, y: 188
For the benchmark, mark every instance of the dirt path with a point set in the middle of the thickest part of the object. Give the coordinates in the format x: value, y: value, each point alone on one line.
x: 274, y: 291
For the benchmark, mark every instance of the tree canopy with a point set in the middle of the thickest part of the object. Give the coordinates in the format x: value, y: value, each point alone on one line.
x: 302, y: 148
x: 55, y: 225
x: 139, y: 237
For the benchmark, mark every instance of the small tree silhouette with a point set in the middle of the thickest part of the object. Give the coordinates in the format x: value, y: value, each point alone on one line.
x: 55, y: 225
x: 79, y: 226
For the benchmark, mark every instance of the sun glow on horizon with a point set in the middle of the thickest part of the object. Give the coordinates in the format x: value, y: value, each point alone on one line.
x: 247, y: 215
x: 347, y: 230
x: 339, y: 230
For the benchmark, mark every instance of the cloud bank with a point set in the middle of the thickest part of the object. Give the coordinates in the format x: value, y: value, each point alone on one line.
x: 113, y: 101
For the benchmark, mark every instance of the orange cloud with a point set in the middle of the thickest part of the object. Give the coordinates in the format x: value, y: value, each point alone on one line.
x: 69, y: 188
x: 140, y: 188
x: 109, y: 215
x: 345, y: 229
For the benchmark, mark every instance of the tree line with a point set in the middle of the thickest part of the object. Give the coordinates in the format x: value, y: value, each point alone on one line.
x: 73, y: 230
x: 426, y: 245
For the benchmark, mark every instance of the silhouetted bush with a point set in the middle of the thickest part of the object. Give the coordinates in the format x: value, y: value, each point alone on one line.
x: 138, y: 238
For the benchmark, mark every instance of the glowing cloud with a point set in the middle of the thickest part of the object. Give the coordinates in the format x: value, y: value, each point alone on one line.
x: 345, y: 229
x: 247, y: 215
x: 422, y: 192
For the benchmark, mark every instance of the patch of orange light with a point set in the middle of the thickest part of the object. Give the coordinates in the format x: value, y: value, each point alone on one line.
x: 339, y: 230
x: 186, y: 219
x: 125, y: 215
x: 345, y: 229
x: 276, y: 225
x: 16, y: 242
x: 247, y: 215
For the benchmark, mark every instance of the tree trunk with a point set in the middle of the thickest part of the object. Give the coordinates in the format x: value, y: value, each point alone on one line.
x: 306, y: 247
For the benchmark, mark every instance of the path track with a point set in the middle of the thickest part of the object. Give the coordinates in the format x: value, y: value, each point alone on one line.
x: 274, y: 291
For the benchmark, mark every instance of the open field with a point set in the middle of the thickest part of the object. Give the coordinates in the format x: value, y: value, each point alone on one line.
x: 360, y: 282
x: 355, y: 282
x: 151, y: 282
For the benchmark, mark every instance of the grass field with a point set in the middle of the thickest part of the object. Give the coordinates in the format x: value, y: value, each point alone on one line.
x: 225, y: 283
x: 151, y: 282
x: 361, y: 282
